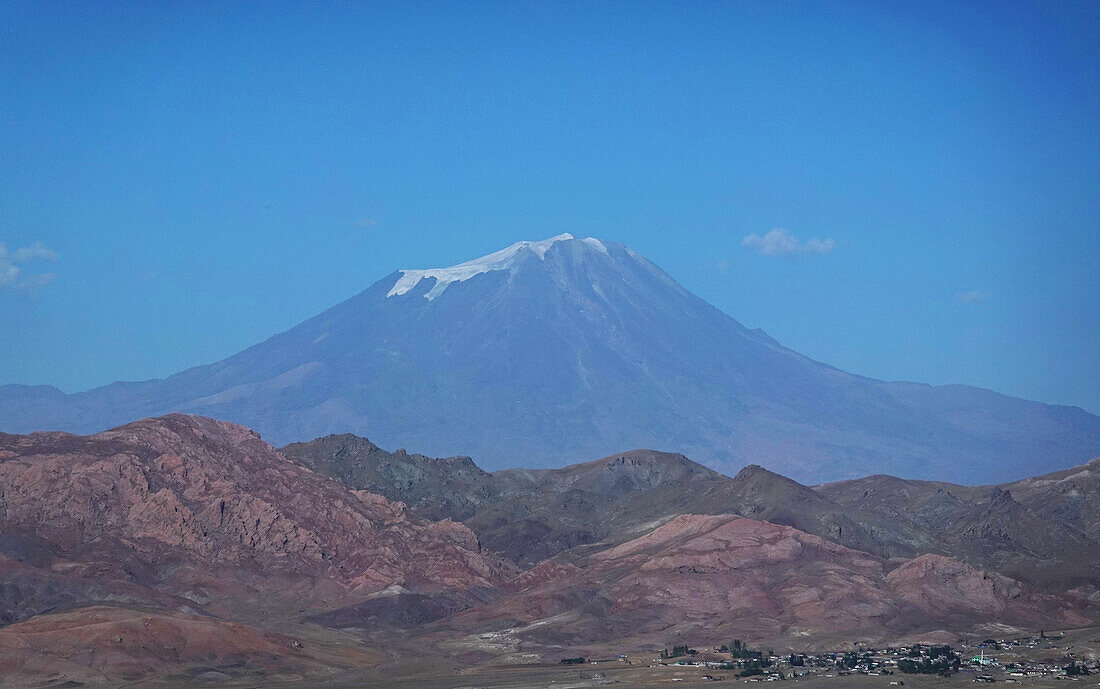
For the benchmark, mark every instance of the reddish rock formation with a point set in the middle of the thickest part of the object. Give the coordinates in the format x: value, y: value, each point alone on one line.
x: 181, y: 503
x: 186, y: 514
x: 542, y: 573
x: 710, y: 578
x: 943, y: 587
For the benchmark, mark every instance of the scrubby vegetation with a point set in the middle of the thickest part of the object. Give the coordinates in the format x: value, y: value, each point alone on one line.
x: 935, y: 660
x: 678, y: 652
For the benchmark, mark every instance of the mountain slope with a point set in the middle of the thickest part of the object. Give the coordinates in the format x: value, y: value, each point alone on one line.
x: 1071, y: 497
x: 555, y: 351
x: 532, y: 514
x: 1042, y: 529
x: 179, y: 511
x: 437, y: 488
x: 570, y: 513
x: 111, y: 647
x: 710, y: 578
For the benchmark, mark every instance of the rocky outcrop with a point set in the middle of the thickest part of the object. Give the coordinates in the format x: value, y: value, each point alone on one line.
x: 1071, y: 497
x: 943, y: 587
x: 435, y: 488
x: 151, y: 502
x: 1037, y: 530
x: 720, y: 576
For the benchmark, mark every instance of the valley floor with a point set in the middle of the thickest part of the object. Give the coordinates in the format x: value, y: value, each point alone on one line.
x: 543, y: 678
x: 430, y: 671
x: 558, y: 677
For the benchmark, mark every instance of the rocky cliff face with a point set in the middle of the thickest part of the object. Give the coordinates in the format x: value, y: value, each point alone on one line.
x: 1071, y: 497
x: 436, y: 488
x: 181, y: 502
x: 1039, y: 529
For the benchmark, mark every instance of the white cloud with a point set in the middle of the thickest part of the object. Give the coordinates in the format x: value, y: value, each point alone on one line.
x: 971, y: 297
x: 36, y: 250
x: 780, y: 242
x: 36, y: 281
x: 12, y: 275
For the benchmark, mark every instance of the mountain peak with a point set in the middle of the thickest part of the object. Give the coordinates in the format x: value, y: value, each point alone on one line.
x: 505, y: 259
x: 565, y: 348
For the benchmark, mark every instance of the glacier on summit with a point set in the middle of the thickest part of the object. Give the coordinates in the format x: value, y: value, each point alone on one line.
x: 505, y: 259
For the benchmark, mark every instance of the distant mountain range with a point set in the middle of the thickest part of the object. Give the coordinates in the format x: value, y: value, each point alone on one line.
x: 1042, y: 530
x: 556, y: 351
x: 187, y: 549
x: 634, y: 545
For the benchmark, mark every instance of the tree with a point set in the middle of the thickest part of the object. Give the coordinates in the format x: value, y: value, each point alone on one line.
x: 738, y: 649
x: 677, y: 651
x: 1073, y: 670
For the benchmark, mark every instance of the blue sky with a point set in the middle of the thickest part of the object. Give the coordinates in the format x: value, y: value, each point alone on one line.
x: 182, y: 180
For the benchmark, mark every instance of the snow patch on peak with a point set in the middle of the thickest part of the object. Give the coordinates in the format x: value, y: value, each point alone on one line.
x: 597, y: 244
x: 505, y: 259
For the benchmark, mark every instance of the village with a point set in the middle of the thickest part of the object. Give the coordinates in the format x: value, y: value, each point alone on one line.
x: 1017, y: 660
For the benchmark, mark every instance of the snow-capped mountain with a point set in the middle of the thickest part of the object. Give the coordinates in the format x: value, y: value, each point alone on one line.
x: 551, y: 352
